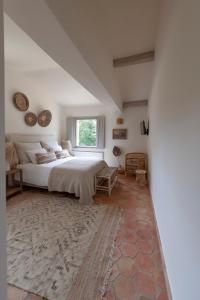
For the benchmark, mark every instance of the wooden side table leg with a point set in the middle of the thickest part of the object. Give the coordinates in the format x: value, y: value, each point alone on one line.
x: 21, y: 180
x: 95, y: 185
x: 136, y: 177
x: 109, y: 187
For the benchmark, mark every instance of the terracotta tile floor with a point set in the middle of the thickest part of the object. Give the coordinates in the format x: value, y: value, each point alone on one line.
x: 137, y: 272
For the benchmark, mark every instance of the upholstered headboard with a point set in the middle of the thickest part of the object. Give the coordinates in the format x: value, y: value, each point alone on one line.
x: 30, y: 138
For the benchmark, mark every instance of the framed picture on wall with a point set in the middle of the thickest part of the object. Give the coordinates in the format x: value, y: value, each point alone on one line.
x: 119, y: 134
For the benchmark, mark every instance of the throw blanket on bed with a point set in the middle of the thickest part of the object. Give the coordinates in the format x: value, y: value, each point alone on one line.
x: 11, y: 155
x: 76, y: 176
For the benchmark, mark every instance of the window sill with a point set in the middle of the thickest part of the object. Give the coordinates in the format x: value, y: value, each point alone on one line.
x: 89, y: 149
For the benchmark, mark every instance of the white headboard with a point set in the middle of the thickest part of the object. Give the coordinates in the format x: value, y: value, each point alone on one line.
x: 30, y: 138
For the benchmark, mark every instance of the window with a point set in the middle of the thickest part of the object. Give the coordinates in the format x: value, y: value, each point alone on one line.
x: 86, y: 133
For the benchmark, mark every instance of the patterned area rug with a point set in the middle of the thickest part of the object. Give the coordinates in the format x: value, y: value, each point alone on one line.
x: 57, y: 248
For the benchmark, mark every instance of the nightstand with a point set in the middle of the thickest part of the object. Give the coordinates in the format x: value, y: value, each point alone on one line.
x: 16, y: 187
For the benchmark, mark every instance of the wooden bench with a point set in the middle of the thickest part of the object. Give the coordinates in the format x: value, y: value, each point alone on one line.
x: 105, y: 180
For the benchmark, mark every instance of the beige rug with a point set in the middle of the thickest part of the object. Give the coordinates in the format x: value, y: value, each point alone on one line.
x: 59, y: 249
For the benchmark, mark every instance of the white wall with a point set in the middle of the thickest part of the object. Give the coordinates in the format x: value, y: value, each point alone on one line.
x: 56, y: 40
x: 2, y: 168
x: 132, y: 118
x: 175, y: 145
x: 39, y: 99
x: 82, y: 21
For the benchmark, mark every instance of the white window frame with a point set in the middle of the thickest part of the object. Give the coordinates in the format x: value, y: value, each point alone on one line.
x: 71, y: 132
x: 75, y: 131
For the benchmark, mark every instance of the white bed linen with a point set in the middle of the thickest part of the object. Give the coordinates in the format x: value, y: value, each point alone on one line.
x: 38, y: 175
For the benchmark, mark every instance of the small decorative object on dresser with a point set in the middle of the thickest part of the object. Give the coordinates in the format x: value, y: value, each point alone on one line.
x: 15, y: 187
x: 21, y: 101
x: 135, y: 161
x: 106, y: 179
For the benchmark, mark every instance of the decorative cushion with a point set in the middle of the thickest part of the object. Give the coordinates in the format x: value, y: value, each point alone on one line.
x: 32, y: 154
x: 46, y: 147
x: 51, y: 146
x: 45, y: 158
x: 66, y: 144
x: 23, y: 147
x: 11, y: 155
x: 62, y: 154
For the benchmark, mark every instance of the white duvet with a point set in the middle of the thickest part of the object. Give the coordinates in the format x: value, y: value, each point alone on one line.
x: 72, y: 175
x: 38, y: 175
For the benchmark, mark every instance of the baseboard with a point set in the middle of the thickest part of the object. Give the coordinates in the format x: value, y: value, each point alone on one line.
x: 161, y: 252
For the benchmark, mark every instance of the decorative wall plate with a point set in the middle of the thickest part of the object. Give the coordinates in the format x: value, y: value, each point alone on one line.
x: 30, y: 119
x: 21, y: 101
x: 44, y: 118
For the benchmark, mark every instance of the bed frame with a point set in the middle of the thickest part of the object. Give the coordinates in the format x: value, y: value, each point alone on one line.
x: 34, y: 138
x: 30, y: 138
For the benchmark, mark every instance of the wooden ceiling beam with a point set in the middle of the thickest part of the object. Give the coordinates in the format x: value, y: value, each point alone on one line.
x: 135, y: 103
x: 134, y: 59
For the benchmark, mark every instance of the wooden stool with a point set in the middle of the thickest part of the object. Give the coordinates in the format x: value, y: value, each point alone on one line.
x: 141, y: 177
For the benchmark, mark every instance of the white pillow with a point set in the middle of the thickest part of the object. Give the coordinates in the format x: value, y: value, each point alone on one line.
x: 52, y: 145
x: 55, y: 146
x: 23, y: 147
x: 62, y: 154
x: 32, y: 154
x: 66, y: 144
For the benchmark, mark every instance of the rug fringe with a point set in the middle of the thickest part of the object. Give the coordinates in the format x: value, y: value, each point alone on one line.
x: 111, y: 260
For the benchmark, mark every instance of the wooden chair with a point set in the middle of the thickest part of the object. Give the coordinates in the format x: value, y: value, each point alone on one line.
x: 135, y: 161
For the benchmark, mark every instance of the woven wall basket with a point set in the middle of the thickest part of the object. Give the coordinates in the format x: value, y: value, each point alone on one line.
x: 30, y: 119
x: 44, y: 118
x: 21, y: 101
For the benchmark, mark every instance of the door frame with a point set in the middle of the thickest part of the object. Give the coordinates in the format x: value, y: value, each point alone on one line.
x: 3, y: 257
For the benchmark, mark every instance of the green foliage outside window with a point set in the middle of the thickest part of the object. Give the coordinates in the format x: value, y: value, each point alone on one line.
x: 86, y: 133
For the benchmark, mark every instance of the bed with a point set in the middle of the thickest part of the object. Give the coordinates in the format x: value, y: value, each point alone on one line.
x: 72, y: 174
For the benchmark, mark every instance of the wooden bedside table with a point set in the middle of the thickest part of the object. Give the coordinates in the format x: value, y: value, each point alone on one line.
x: 18, y: 187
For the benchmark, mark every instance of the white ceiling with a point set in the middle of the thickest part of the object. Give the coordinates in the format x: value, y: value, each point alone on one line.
x: 131, y: 28
x: 135, y: 81
x: 131, y: 25
x: 24, y: 55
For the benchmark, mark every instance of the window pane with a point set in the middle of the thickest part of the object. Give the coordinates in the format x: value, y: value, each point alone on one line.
x: 86, y: 133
